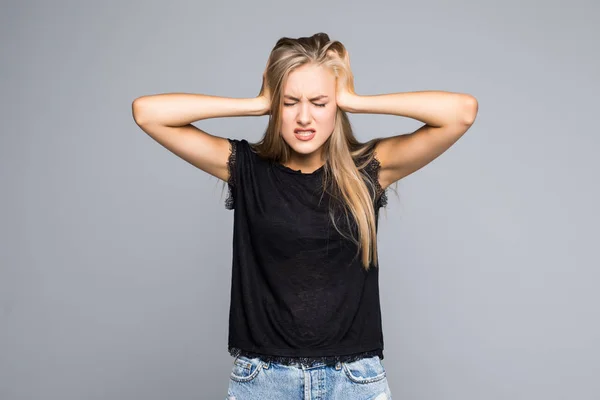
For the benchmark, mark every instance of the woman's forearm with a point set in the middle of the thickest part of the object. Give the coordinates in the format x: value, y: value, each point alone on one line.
x: 180, y: 109
x: 436, y: 108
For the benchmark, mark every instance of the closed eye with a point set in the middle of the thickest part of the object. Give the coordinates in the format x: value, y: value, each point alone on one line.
x: 291, y: 104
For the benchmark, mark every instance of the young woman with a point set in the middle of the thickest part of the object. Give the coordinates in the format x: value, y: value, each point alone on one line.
x: 305, y: 319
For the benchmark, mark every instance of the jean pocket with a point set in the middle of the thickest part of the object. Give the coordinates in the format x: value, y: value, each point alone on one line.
x: 365, y: 370
x: 245, y: 369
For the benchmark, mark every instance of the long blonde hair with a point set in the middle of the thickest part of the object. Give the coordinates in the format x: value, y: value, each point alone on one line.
x: 345, y: 156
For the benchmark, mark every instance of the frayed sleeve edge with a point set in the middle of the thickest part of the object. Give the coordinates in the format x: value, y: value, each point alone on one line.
x: 380, y: 193
x: 231, y: 181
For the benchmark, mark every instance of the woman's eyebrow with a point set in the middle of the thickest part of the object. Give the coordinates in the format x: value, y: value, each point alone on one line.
x: 322, y: 96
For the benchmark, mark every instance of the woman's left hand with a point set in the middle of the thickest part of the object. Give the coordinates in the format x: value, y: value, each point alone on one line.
x: 344, y: 92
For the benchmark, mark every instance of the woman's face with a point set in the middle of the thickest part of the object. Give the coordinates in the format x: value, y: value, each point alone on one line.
x: 309, y: 104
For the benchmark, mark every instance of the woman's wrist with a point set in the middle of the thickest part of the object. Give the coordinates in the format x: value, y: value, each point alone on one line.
x: 261, y: 105
x: 350, y: 102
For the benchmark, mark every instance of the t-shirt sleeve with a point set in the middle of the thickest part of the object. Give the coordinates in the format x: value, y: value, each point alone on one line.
x: 372, y: 170
x: 232, y: 183
x: 245, y: 168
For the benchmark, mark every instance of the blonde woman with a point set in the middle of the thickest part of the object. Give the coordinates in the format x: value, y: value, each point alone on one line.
x: 305, y: 319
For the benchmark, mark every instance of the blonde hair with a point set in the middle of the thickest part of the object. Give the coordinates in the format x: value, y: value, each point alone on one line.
x: 345, y: 156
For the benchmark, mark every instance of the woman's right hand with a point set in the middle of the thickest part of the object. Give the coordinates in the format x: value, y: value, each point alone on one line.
x: 265, y: 94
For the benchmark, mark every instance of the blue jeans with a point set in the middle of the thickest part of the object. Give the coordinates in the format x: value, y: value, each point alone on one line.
x: 254, y: 379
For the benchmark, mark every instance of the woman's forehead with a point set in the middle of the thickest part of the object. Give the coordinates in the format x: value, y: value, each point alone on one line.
x: 311, y: 82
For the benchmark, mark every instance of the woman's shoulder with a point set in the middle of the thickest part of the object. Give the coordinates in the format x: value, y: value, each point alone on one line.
x: 243, y: 146
x: 244, y: 157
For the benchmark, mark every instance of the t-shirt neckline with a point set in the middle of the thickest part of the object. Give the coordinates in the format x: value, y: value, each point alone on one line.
x: 297, y: 171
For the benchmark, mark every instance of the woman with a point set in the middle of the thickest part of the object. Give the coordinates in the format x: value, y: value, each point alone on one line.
x: 305, y: 317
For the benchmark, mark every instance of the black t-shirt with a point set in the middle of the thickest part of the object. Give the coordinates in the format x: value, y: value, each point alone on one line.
x: 299, y: 292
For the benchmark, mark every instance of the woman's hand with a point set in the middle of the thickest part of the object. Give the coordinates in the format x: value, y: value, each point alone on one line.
x: 344, y: 92
x: 265, y: 94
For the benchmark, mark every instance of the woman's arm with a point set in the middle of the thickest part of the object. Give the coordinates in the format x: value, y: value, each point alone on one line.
x: 447, y: 116
x: 167, y: 118
x: 180, y: 109
x: 435, y: 108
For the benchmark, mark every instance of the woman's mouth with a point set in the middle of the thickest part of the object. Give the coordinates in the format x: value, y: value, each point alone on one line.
x: 304, y: 134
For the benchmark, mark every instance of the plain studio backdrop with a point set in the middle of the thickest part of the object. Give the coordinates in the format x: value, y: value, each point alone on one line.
x: 116, y: 254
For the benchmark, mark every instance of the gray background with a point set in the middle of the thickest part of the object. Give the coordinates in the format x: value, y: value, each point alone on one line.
x: 116, y: 254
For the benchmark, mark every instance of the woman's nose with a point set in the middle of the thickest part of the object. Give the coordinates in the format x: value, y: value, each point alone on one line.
x: 304, y: 114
